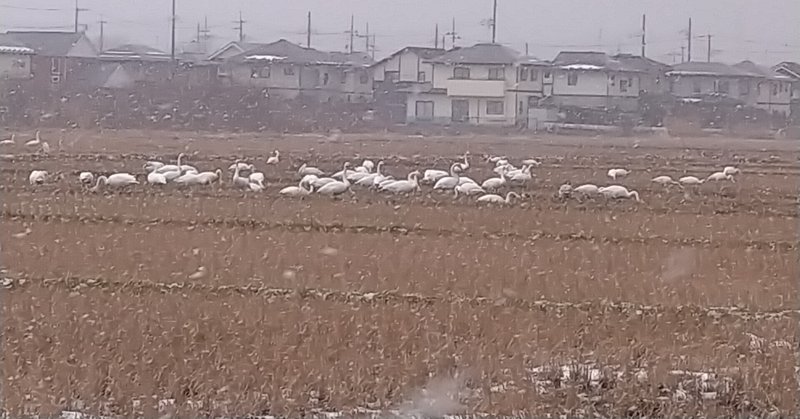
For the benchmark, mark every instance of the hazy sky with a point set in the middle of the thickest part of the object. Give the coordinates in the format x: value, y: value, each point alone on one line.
x: 766, y: 31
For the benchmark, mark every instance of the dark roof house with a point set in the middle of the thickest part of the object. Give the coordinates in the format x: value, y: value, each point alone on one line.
x: 287, y: 52
x: 696, y: 68
x: 424, y: 53
x: 600, y: 61
x: 134, y: 52
x: 478, y: 54
x: 56, y: 44
x: 760, y: 71
x: 788, y: 68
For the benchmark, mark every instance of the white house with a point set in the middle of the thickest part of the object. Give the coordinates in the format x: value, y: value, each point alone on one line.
x: 468, y: 85
x: 773, y: 89
x: 15, y: 60
x: 408, y: 65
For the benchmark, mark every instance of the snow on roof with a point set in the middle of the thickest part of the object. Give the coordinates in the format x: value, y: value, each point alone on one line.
x: 264, y: 58
x: 15, y: 50
x: 581, y: 67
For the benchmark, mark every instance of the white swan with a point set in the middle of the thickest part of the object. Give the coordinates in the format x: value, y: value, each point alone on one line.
x: 565, y: 190
x: 464, y: 166
x: 468, y: 189
x: 403, y: 186
x: 274, y: 159
x: 532, y: 162
x: 617, y: 173
x: 320, y: 182
x: 151, y: 165
x: 664, y: 180
x: 719, y: 176
x: 369, y: 180
x: 116, y: 180
x: 497, y: 199
x: 256, y: 186
x: 433, y: 175
x: 618, y: 192
x: 307, y: 179
x: 368, y: 164
x: 497, y: 159
x: 522, y: 176
x: 172, y: 171
x: 86, y: 178
x: 239, y: 181
x: 449, y: 182
x: 495, y: 183
x: 9, y: 141
x: 296, y: 191
x: 189, y: 179
x: 336, y: 187
x: 307, y: 170
x: 36, y: 142
x: 37, y: 177
x: 690, y: 180
x: 207, y: 178
x: 257, y: 177
x: 155, y: 178
x: 241, y: 166
x: 586, y: 189
x: 730, y: 170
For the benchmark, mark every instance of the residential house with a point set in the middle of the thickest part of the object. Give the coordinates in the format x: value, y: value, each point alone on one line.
x: 792, y: 70
x: 58, y: 55
x: 745, y: 82
x: 15, y: 59
x: 590, y: 79
x: 652, y: 74
x: 288, y: 70
x: 142, y: 64
x: 468, y: 85
x: 232, y: 49
x: 533, y: 76
x: 398, y: 74
x: 773, y: 89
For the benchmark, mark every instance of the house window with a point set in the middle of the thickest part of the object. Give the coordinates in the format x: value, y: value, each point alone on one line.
x: 696, y: 87
x: 523, y: 74
x: 723, y: 86
x: 494, y: 107
x: 547, y: 74
x: 424, y: 111
x: 613, y: 80
x: 534, y: 74
x: 497, y: 73
x: 774, y: 89
x: 623, y: 86
x: 572, y: 78
x: 744, y: 88
x: 461, y: 73
x: 391, y: 76
x: 363, y: 78
x: 421, y: 77
x: 260, y: 73
x: 288, y: 71
x: 325, y: 78
x: 343, y: 79
x: 55, y: 66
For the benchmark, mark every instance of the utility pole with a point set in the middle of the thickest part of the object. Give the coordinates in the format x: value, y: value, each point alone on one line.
x: 172, y: 43
x: 436, y: 37
x: 452, y: 34
x: 352, y: 32
x: 78, y: 10
x: 494, y: 22
x: 708, y: 52
x: 689, y: 37
x: 373, y: 45
x: 198, y: 33
x: 683, y: 52
x: 366, y: 38
x: 526, y: 49
x: 308, y: 31
x: 102, y: 31
x: 240, y: 26
x: 644, y: 33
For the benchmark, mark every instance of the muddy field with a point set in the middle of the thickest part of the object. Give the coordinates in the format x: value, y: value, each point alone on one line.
x: 227, y: 302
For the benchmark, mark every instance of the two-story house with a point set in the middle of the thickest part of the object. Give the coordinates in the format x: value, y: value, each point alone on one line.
x: 289, y: 71
x: 594, y: 80
x: 792, y: 71
x: 404, y: 71
x: 468, y: 85
x: 773, y: 89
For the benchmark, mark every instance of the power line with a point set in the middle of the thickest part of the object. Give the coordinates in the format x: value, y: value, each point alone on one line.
x: 33, y: 9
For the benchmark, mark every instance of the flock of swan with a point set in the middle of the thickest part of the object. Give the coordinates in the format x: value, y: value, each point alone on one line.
x: 368, y: 175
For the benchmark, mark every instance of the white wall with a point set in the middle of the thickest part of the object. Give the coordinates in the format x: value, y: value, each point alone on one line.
x: 83, y: 49
x: 15, y: 66
x: 408, y: 64
x: 442, y: 109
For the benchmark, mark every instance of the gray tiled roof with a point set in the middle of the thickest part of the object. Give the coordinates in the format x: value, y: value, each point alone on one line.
x: 698, y: 68
x: 51, y: 44
x: 289, y: 52
x: 479, y: 54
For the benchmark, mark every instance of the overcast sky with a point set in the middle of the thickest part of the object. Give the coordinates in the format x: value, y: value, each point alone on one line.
x: 766, y: 31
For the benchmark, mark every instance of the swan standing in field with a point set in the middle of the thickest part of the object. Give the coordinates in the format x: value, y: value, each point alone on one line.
x: 403, y: 186
x: 336, y: 187
x: 532, y: 162
x: 155, y: 178
x: 618, y: 192
x: 464, y: 166
x: 9, y: 141
x: 117, y: 180
x: 189, y: 179
x: 468, y: 189
x: 586, y: 189
x: 172, y: 171
x: 617, y: 173
x: 719, y: 176
x: 296, y: 191
x: 497, y: 199
x: 307, y: 179
x: 690, y: 181
x: 523, y: 176
x: 433, y: 175
x: 239, y: 181
x: 274, y: 159
x: 308, y: 170
x: 86, y: 178
x: 730, y: 170
x: 494, y: 183
x: 368, y: 165
x: 37, y: 177
x: 664, y: 180
x: 320, y: 182
x: 45, y: 149
x: 34, y: 143
x: 449, y: 182
x: 369, y: 180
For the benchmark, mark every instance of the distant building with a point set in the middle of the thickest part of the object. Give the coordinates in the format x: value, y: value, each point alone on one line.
x: 468, y: 85
x: 140, y: 63
x: 288, y: 70
x: 404, y: 71
x: 773, y: 89
x: 15, y: 60
x: 58, y: 55
x: 792, y: 70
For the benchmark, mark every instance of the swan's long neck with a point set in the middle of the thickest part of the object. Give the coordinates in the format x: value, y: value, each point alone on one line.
x: 344, y: 176
x: 37, y: 136
x: 101, y: 179
x: 236, y: 171
x: 378, y: 169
